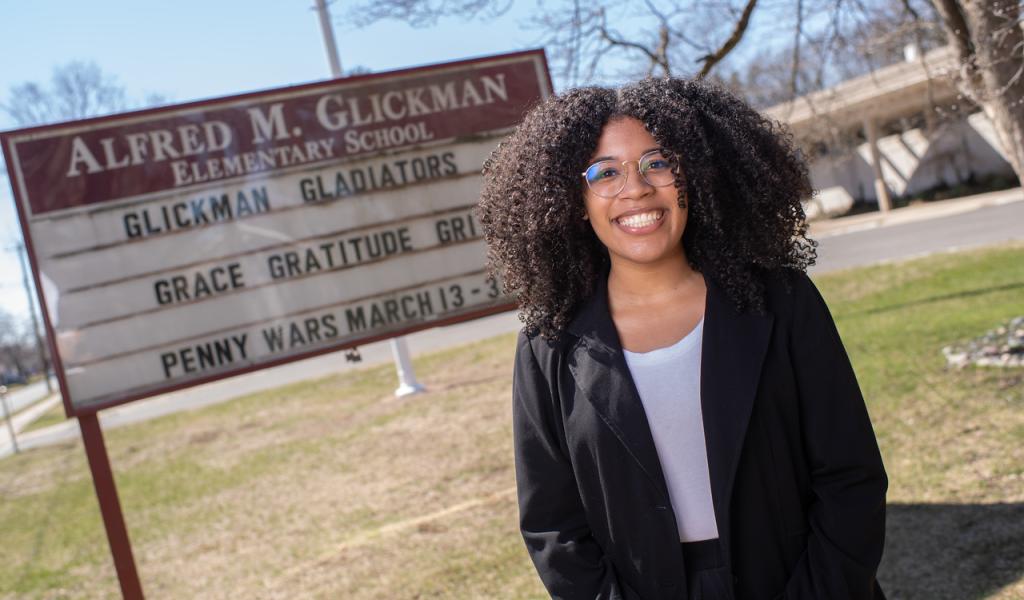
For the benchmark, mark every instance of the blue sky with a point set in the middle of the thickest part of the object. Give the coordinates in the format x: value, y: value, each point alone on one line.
x: 189, y: 50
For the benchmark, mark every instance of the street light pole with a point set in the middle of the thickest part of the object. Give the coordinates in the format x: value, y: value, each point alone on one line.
x: 328, y: 32
x: 35, y: 322
x: 407, y: 383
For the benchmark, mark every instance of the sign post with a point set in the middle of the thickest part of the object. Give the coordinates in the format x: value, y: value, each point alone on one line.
x: 110, y: 507
x: 407, y: 383
x: 181, y: 245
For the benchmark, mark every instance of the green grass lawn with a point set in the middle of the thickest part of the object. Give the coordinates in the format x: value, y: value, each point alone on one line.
x: 333, y: 488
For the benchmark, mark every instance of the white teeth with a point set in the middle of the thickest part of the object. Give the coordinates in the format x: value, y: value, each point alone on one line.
x: 640, y: 220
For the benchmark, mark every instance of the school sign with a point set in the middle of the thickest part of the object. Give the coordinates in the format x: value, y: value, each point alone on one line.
x: 184, y: 244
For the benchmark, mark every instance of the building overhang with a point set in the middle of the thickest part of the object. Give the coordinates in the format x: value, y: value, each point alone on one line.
x: 885, y: 93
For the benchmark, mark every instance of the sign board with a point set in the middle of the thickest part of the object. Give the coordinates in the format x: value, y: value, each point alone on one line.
x: 179, y: 245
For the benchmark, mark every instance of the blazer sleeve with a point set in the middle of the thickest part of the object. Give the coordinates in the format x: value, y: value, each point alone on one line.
x: 847, y: 515
x: 551, y: 518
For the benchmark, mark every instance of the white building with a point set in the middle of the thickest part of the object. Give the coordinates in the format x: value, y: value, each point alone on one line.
x: 898, y: 131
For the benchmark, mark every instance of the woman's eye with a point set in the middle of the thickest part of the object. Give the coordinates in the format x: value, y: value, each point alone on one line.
x: 658, y: 164
x: 599, y: 173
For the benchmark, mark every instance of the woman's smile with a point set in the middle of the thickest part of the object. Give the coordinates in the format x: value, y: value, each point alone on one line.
x: 640, y: 221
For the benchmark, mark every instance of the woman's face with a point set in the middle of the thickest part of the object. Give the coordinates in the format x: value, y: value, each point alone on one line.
x: 643, y: 223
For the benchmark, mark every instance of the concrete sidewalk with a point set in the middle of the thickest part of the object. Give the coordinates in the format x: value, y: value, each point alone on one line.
x: 24, y: 418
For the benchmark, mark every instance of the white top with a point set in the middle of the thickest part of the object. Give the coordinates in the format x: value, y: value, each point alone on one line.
x: 668, y: 380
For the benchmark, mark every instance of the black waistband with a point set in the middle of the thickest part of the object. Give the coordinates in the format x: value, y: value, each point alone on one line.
x: 705, y: 554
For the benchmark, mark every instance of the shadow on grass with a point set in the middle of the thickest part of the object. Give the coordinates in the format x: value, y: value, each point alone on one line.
x: 952, y: 551
x: 934, y: 299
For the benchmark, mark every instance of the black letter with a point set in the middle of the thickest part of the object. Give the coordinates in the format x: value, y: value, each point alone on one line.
x: 131, y: 225
x: 169, y: 359
x: 162, y: 295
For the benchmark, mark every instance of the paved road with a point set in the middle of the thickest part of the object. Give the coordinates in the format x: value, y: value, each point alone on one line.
x: 843, y: 243
x: 988, y: 225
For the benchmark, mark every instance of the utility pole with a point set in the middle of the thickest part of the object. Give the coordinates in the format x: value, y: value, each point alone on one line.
x: 40, y: 347
x: 328, y: 32
x: 407, y: 383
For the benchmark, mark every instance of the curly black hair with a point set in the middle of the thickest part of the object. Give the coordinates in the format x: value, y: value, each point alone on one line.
x: 738, y: 172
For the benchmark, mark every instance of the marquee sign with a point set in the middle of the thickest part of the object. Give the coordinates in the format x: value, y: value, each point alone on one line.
x: 183, y: 244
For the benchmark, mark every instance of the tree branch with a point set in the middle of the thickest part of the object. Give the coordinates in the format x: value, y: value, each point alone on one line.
x: 796, y: 48
x: 930, y: 89
x: 654, y: 11
x: 422, y: 13
x: 664, y: 39
x: 614, y: 41
x: 662, y: 51
x: 956, y: 29
x: 617, y: 41
x: 737, y: 34
x: 910, y: 10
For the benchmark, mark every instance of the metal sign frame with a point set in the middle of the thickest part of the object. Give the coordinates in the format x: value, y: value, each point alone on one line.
x: 7, y: 139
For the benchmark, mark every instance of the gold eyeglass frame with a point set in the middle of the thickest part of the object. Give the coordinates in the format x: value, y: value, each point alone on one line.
x: 626, y: 170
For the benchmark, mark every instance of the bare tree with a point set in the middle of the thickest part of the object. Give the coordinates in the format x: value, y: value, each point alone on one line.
x: 589, y: 40
x: 829, y: 40
x: 76, y: 90
x: 679, y: 37
x: 668, y: 37
x: 16, y: 346
x: 856, y: 40
x: 423, y: 13
x: 989, y: 41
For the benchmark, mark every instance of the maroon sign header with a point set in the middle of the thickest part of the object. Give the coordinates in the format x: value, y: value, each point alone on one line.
x: 104, y: 160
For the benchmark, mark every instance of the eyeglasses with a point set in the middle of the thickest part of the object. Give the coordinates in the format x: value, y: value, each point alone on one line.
x: 607, y: 178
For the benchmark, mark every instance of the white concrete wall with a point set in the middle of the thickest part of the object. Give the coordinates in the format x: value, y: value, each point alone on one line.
x: 912, y: 162
x: 839, y: 181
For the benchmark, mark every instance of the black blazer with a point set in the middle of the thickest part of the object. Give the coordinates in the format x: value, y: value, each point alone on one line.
x: 796, y: 477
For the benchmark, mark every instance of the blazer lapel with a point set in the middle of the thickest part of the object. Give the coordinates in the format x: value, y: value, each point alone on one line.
x: 733, y: 350
x: 601, y: 373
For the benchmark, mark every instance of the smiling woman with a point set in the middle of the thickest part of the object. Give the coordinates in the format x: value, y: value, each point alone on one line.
x: 686, y: 422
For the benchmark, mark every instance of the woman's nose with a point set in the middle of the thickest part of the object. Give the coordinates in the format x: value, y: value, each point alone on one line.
x: 636, y: 184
